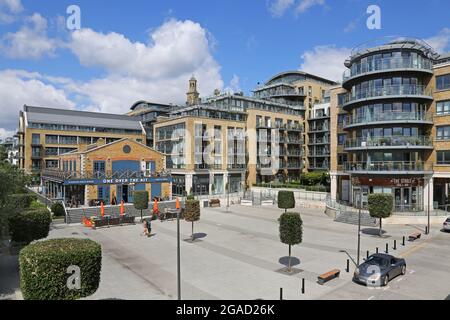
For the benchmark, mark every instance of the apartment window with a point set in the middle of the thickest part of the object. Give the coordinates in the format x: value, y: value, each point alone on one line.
x: 341, y: 139
x: 443, y: 133
x: 51, y: 139
x: 443, y: 157
x: 443, y: 107
x: 443, y: 82
x: 341, y: 99
x: 342, y: 158
x: 341, y: 120
x: 36, y: 138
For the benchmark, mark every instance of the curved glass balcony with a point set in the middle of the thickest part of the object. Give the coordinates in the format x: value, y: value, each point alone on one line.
x: 387, y: 64
x: 388, y: 91
x: 416, y: 142
x: 387, y: 117
x: 387, y: 167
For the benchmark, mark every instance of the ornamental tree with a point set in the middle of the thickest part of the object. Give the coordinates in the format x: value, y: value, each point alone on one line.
x: 381, y: 206
x: 291, y: 231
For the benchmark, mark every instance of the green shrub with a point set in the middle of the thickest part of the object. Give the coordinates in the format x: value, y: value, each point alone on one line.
x: 28, y: 226
x: 140, y: 200
x: 58, y: 209
x: 190, y: 197
x: 21, y: 201
x: 35, y: 205
x: 380, y: 206
x: 44, y: 269
x: 192, y: 213
x: 291, y: 230
x: 286, y: 200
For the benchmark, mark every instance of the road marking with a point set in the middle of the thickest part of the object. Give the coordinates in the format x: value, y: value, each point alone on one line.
x: 400, y: 279
x: 386, y: 288
x: 371, y: 298
x: 411, y: 271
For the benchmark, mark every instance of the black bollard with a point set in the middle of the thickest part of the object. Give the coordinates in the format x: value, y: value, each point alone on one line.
x: 348, y: 266
x: 281, y: 293
x: 403, y: 241
x: 377, y: 250
x: 303, y: 286
x: 367, y: 254
x: 387, y: 247
x: 395, y: 244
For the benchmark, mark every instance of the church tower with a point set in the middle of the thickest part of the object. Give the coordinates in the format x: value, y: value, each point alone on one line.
x: 192, y: 94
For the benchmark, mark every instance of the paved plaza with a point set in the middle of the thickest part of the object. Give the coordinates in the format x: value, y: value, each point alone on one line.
x: 239, y: 256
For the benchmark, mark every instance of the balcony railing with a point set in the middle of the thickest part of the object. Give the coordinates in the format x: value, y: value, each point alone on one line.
x: 392, y: 63
x: 388, y: 90
x: 395, y: 141
x: 120, y: 174
x: 387, y: 166
x: 388, y: 116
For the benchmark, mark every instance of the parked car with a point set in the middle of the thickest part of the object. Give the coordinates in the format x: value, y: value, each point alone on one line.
x: 379, y: 269
x: 447, y: 224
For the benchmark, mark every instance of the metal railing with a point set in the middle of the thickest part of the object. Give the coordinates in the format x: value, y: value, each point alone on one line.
x: 385, y: 166
x: 394, y: 141
x: 119, y: 174
x: 391, y: 63
x: 388, y: 90
x: 388, y: 116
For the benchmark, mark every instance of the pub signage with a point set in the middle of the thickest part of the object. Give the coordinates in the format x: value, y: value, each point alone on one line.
x: 117, y: 181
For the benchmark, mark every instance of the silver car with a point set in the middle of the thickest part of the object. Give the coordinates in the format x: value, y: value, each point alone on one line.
x: 379, y: 269
x: 447, y: 224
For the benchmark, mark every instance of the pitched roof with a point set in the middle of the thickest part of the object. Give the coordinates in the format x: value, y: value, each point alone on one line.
x: 81, y: 118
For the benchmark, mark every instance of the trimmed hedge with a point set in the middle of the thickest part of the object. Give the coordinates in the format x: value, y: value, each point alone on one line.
x: 192, y: 210
x: 44, y: 269
x: 291, y: 228
x: 21, y: 201
x: 28, y: 226
x: 286, y: 200
x: 140, y: 200
x: 380, y: 205
x: 36, y: 205
x: 58, y: 209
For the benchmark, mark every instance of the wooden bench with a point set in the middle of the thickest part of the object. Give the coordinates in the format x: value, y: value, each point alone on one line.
x: 214, y: 203
x: 415, y: 236
x: 330, y: 275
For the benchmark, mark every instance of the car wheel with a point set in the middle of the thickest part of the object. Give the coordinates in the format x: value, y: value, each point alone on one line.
x: 386, y: 281
x: 403, y: 269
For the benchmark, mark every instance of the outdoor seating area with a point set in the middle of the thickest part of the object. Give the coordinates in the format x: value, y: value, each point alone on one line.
x: 108, y: 221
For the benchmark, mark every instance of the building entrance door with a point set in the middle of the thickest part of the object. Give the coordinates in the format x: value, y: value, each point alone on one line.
x: 122, y: 193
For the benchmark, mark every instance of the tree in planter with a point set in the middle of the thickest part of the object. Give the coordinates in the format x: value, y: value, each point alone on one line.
x: 291, y: 231
x: 140, y: 200
x: 192, y: 213
x: 286, y: 200
x: 58, y: 209
x: 380, y: 206
x: 27, y: 226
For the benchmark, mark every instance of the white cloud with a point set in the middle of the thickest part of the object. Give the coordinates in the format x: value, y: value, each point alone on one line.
x: 325, y: 61
x: 158, y: 70
x: 304, y: 5
x: 277, y: 8
x: 21, y: 87
x: 9, y: 10
x: 30, y: 41
x: 441, y: 41
x: 234, y: 85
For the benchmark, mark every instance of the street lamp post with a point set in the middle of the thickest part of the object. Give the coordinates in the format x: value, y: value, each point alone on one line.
x: 359, y: 225
x: 178, y: 256
x: 228, y: 192
x: 428, y: 211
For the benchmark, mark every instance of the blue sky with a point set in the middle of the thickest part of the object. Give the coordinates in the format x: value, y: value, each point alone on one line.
x: 136, y: 49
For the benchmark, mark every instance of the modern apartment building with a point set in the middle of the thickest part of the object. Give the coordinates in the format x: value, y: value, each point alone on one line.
x: 235, y: 141
x: 148, y: 112
x: 319, y: 138
x: 391, y: 126
x: 46, y: 133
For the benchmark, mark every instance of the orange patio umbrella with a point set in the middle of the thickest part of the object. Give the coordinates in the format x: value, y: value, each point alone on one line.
x: 177, y: 204
x: 102, y: 209
x: 122, y: 208
x: 155, y: 206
